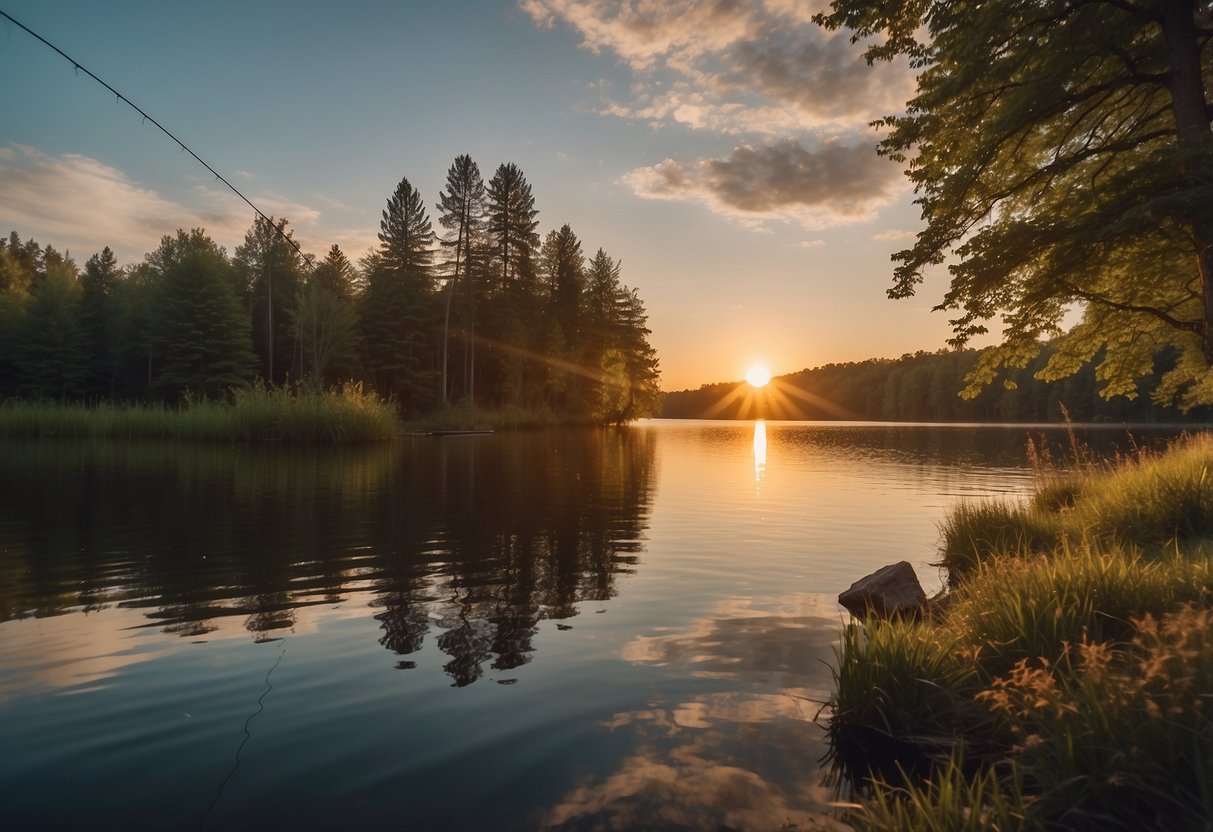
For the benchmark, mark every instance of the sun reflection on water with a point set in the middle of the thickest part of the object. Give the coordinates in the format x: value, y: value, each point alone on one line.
x: 760, y: 449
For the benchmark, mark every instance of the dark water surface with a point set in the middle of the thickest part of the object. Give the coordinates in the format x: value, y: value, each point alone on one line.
x: 616, y: 629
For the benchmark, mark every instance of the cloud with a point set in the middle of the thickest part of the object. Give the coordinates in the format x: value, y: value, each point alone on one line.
x: 894, y: 234
x: 650, y: 32
x: 713, y: 63
x: 800, y: 98
x: 835, y: 183
x: 78, y: 203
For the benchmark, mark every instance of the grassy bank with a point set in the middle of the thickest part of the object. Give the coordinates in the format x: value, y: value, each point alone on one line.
x: 253, y: 415
x: 1067, y: 681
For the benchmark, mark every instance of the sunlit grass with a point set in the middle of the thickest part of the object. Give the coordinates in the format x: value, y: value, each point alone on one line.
x: 349, y: 414
x: 1071, y: 667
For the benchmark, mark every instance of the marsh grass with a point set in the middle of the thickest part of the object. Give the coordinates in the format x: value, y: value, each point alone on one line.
x: 1073, y: 666
x: 256, y: 414
x: 1150, y: 500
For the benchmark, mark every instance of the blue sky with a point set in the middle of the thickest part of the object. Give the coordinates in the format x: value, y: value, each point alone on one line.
x: 719, y: 148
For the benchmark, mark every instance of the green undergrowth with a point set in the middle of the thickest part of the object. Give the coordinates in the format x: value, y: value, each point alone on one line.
x: 256, y: 414
x: 1066, y: 681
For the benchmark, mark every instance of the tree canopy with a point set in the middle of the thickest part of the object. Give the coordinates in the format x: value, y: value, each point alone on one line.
x: 189, y: 320
x: 1061, y: 154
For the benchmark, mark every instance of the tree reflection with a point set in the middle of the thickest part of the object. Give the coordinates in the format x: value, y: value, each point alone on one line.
x: 474, y: 540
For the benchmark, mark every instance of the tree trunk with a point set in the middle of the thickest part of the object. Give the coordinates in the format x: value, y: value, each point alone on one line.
x: 1193, y: 137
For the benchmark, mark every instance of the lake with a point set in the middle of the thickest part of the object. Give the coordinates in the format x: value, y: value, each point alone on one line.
x: 582, y: 629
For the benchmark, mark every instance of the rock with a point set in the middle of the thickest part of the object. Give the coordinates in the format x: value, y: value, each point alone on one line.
x: 889, y: 591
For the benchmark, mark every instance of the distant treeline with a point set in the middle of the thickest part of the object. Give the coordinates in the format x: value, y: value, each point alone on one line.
x: 924, y: 387
x: 488, y: 315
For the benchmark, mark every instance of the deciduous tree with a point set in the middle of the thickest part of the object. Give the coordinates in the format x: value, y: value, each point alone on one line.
x: 1061, y: 154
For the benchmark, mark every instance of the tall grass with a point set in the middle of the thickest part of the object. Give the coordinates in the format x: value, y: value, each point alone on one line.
x: 1072, y: 667
x: 253, y: 415
x: 1151, y: 500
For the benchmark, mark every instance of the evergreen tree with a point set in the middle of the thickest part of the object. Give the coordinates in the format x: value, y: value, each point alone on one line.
x: 324, y: 320
x: 511, y: 221
x: 98, y: 284
x: 406, y: 236
x: 14, y: 295
x: 200, y: 332
x: 396, y: 307
x: 461, y: 211
x: 563, y: 271
x: 50, y: 355
x: 270, y: 272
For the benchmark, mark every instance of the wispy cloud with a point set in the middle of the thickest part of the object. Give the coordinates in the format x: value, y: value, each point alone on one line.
x: 894, y: 234
x: 834, y: 183
x: 729, y: 58
x: 802, y: 99
x: 78, y: 203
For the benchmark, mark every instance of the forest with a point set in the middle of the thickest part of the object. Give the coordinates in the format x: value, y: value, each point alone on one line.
x: 925, y: 387
x: 483, y: 315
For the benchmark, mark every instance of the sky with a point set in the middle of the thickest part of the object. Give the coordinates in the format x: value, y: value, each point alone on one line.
x: 720, y: 149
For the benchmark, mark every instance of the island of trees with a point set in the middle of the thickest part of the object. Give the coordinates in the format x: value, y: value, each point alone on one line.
x: 485, y: 317
x: 922, y: 387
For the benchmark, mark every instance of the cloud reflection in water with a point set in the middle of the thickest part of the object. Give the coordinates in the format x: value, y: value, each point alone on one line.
x: 735, y: 755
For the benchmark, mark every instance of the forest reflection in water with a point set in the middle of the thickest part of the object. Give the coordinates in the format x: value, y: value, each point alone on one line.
x: 140, y: 584
x: 475, y: 541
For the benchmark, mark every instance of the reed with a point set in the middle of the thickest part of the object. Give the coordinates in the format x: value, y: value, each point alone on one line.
x: 256, y: 414
x: 1072, y: 667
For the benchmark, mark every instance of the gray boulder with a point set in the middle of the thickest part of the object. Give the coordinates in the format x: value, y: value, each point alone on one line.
x: 890, y: 591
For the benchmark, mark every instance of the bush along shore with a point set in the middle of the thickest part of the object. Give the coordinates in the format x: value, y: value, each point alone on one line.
x: 252, y: 414
x: 1065, y: 679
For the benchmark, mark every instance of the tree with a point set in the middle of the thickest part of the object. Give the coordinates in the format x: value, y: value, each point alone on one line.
x: 1062, y: 155
x: 98, y: 283
x: 563, y: 270
x: 396, y: 306
x: 200, y: 333
x: 405, y: 235
x: 325, y: 323
x: 511, y: 220
x: 50, y: 351
x: 270, y: 272
x: 461, y: 212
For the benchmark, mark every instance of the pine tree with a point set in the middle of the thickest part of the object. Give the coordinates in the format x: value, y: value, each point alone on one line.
x: 270, y: 271
x: 51, y: 356
x: 461, y: 211
x: 396, y: 308
x: 98, y: 284
x: 511, y: 220
x: 325, y: 322
x: 199, y: 331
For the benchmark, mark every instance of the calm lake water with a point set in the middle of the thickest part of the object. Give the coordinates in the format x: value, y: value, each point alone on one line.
x: 614, y: 629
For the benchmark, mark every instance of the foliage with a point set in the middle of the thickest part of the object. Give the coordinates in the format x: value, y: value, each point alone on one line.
x: 1071, y: 679
x: 324, y: 322
x: 461, y: 208
x: 532, y: 344
x: 922, y: 387
x: 269, y: 272
x: 511, y: 221
x: 50, y: 345
x: 200, y: 334
x: 1062, y: 156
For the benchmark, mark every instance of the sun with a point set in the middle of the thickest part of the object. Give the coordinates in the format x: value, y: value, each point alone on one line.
x: 758, y: 376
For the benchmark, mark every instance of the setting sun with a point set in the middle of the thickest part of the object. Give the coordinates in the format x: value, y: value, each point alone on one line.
x: 758, y: 376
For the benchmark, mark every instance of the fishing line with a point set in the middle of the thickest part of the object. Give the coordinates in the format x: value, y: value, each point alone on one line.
x: 119, y: 97
x: 247, y: 736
